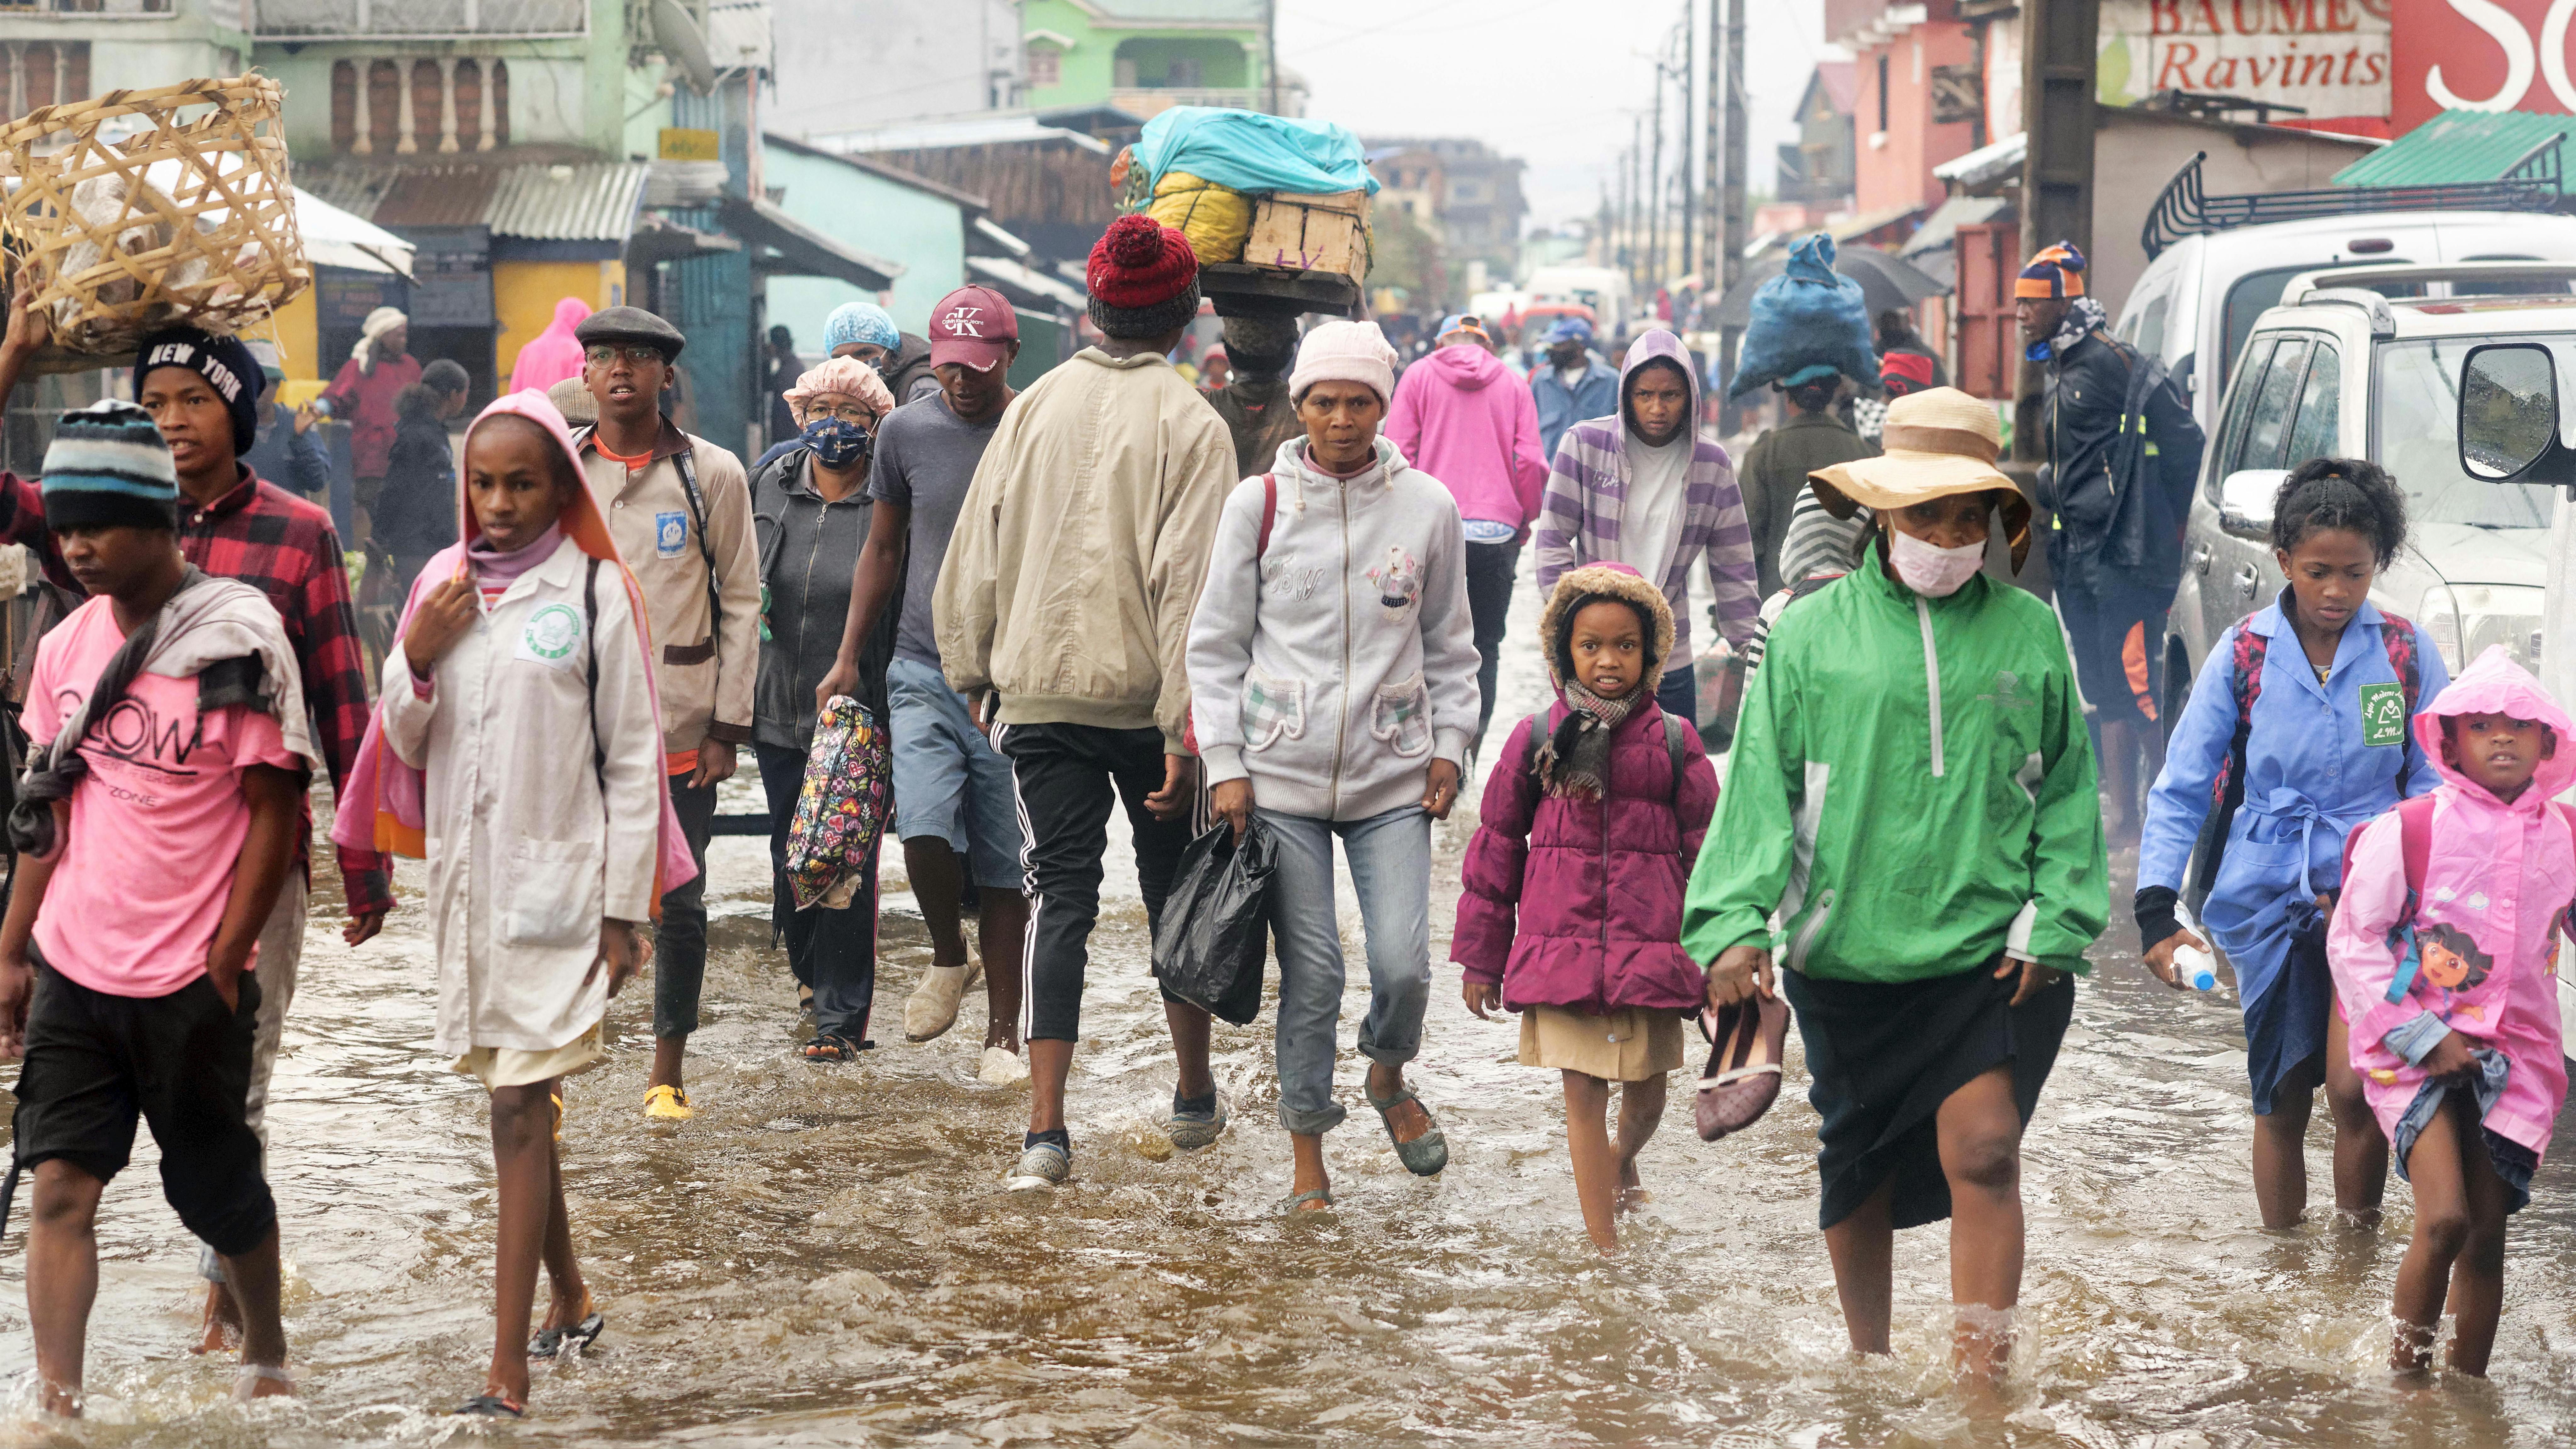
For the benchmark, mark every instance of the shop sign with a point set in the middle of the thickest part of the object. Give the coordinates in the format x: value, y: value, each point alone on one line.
x: 2328, y: 57
x: 686, y: 143
x: 452, y: 272
x: 2481, y: 55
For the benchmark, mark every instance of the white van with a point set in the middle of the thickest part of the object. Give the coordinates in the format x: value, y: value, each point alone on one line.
x: 2198, y: 301
x: 1603, y: 289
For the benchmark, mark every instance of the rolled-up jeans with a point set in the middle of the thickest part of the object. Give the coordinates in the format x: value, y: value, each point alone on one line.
x: 1390, y: 858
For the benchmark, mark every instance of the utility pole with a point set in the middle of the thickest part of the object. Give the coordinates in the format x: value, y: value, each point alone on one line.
x: 1270, y: 51
x: 2058, y: 40
x: 1636, y: 200
x: 1682, y: 133
x: 1730, y: 190
x: 1655, y: 197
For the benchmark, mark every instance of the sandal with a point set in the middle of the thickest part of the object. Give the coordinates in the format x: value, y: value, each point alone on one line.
x: 490, y: 1406
x: 550, y: 1342
x: 1735, y: 1089
x: 1322, y: 1195
x: 828, y: 1048
x: 804, y: 999
x: 1425, y: 1155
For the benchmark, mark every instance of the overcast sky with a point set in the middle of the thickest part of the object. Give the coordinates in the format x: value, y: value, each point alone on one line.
x: 1557, y: 83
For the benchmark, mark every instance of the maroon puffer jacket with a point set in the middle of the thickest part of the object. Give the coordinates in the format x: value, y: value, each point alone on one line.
x: 1597, y: 885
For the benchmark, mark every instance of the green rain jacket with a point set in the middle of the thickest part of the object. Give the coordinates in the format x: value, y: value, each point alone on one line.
x: 1911, y: 792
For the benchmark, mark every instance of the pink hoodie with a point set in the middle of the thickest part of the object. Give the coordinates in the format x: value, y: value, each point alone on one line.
x: 554, y: 354
x: 2500, y: 874
x: 1467, y: 420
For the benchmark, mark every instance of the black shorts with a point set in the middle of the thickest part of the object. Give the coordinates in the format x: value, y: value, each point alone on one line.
x: 181, y: 1062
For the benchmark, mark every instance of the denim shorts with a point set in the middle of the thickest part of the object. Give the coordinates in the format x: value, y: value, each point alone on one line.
x: 947, y: 781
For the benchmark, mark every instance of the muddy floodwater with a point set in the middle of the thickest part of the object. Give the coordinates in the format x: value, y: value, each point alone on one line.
x: 825, y: 1255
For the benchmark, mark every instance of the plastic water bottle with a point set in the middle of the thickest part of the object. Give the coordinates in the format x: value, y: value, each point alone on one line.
x: 2193, y: 965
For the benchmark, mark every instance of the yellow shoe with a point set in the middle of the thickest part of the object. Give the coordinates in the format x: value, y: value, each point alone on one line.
x: 669, y: 1103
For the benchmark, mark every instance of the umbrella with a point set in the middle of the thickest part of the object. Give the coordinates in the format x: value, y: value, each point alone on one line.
x: 1888, y: 283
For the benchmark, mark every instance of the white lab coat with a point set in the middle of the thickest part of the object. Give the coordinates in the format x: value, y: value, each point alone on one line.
x: 524, y: 861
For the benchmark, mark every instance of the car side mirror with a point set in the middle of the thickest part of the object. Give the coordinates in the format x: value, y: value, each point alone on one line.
x: 2245, y: 499
x: 2508, y: 428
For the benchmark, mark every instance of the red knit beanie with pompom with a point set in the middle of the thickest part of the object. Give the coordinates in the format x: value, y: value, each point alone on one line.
x: 1139, y: 262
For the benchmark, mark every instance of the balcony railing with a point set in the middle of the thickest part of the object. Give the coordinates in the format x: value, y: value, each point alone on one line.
x: 105, y: 9
x: 1153, y: 100
x: 382, y: 19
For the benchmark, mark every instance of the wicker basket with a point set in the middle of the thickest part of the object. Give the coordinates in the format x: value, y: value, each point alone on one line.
x: 132, y: 219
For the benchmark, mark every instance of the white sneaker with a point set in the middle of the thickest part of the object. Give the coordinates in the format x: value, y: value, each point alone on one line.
x: 1002, y: 1067
x: 932, y: 1006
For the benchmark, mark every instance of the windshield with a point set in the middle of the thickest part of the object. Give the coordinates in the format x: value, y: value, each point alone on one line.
x: 2416, y: 416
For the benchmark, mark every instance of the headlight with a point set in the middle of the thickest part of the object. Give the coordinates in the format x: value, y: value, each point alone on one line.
x: 2466, y: 620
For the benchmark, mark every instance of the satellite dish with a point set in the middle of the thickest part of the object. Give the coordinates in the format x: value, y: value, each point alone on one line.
x: 683, y: 44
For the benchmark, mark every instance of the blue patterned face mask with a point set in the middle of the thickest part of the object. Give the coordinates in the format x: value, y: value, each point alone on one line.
x: 837, y: 442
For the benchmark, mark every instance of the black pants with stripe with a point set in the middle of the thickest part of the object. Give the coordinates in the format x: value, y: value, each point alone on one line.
x: 1067, y: 777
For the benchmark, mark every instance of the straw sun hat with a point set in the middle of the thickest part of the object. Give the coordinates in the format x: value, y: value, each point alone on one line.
x: 1938, y: 442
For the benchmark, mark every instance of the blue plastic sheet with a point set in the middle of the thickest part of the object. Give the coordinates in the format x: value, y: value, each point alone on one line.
x: 1248, y: 151
x: 1807, y: 317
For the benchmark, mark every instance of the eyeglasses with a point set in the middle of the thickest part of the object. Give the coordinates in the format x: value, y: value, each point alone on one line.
x: 637, y: 353
x: 854, y: 413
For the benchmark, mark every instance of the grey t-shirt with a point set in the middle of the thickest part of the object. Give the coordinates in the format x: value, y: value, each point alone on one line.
x: 925, y: 458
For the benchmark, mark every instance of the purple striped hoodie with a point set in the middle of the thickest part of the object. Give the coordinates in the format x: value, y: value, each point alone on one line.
x: 1587, y: 488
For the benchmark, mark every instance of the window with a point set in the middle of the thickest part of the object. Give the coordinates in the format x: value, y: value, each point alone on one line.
x: 1185, y: 71
x: 2267, y: 426
x: 1046, y: 65
x: 2416, y: 416
x: 2257, y: 292
x: 1882, y: 91
x: 2320, y: 407
x: 2240, y: 406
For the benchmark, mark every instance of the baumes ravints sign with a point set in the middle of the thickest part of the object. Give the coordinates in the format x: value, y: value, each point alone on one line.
x: 2481, y: 55
x: 2330, y: 57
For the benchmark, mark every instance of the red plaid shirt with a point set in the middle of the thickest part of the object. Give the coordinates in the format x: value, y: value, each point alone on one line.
x: 264, y: 536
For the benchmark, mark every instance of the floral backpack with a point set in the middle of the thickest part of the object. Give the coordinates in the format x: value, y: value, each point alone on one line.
x: 841, y: 809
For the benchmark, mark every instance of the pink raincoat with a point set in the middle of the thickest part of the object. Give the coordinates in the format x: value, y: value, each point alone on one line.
x: 2501, y: 875
x: 395, y: 823
x: 554, y: 354
x: 1462, y: 417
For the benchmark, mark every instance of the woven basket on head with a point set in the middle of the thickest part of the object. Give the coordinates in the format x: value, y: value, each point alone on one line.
x: 143, y: 209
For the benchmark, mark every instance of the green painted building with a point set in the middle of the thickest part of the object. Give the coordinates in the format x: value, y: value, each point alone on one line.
x: 1145, y: 56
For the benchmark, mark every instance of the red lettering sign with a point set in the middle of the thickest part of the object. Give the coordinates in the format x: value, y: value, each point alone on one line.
x: 2484, y: 55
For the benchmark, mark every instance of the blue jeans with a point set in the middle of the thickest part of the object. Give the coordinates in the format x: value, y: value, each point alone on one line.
x: 1390, y: 857
x: 948, y: 782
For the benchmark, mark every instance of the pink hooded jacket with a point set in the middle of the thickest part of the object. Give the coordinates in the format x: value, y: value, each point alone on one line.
x: 1462, y: 417
x: 554, y: 354
x: 2500, y: 875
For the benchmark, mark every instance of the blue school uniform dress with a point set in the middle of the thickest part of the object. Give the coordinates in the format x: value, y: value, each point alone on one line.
x: 2314, y: 769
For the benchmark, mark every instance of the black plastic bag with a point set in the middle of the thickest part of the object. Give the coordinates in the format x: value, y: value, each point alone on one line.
x: 1216, y: 923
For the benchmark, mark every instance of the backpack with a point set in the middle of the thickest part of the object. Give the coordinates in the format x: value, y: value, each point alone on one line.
x: 1672, y: 746
x: 686, y: 461
x: 2415, y: 848
x: 2245, y: 683
x: 2125, y: 525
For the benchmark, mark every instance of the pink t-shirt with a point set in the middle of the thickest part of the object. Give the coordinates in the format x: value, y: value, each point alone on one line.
x: 157, y: 823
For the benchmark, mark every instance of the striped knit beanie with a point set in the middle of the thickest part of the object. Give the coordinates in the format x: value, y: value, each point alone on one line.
x: 2056, y: 273
x: 107, y: 466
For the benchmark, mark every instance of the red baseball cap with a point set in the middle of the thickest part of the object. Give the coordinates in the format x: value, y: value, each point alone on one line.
x: 972, y: 325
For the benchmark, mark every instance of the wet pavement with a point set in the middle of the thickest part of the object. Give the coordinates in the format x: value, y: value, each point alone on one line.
x: 825, y: 1255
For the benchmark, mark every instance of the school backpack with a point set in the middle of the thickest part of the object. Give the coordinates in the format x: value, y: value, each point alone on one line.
x: 2415, y: 849
x: 2154, y: 464
x: 2245, y: 684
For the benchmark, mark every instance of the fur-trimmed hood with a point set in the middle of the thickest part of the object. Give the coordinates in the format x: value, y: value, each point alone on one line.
x: 1619, y: 581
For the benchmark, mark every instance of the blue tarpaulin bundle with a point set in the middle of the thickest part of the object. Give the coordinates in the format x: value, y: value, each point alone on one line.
x: 1807, y: 321
x: 1248, y: 151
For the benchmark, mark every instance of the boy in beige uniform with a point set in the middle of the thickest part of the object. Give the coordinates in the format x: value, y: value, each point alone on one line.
x: 680, y: 510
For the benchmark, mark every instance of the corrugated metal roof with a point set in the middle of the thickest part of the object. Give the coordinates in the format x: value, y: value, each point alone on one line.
x: 973, y: 131
x: 591, y: 202
x: 738, y: 35
x: 2458, y: 146
x: 1020, y: 283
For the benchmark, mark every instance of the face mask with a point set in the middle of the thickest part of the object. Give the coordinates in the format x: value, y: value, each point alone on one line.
x: 1935, y: 573
x: 837, y: 443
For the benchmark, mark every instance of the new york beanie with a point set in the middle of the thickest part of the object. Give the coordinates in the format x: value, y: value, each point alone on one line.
x: 107, y: 466
x: 227, y: 365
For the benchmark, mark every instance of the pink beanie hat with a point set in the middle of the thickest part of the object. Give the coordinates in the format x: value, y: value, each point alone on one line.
x: 1345, y: 352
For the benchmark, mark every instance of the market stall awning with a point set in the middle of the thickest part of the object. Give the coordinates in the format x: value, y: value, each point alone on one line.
x: 334, y: 238
x: 2463, y: 146
x: 660, y: 239
x: 1025, y: 288
x: 788, y: 247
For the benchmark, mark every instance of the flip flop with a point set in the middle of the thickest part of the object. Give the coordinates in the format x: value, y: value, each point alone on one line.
x: 1746, y: 1043
x: 1322, y: 1195
x: 1425, y: 1155
x: 490, y: 1406
x: 829, y: 1048
x: 549, y: 1342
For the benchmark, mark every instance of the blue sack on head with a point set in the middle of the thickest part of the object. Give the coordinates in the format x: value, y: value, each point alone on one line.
x: 1808, y: 316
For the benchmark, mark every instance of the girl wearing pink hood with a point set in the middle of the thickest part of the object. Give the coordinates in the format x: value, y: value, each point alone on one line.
x: 2445, y: 961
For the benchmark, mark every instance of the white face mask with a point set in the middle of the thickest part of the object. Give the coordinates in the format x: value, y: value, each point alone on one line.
x: 1935, y: 573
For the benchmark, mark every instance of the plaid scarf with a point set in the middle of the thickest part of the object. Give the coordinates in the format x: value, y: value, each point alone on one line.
x: 2081, y: 318
x: 1575, y: 760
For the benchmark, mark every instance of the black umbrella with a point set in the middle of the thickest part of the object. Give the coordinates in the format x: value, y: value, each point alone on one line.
x: 1888, y: 282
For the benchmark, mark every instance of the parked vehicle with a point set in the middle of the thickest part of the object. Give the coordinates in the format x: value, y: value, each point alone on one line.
x: 1603, y: 289
x: 2199, y: 300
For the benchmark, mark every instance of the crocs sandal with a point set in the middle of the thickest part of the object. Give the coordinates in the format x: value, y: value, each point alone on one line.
x: 1294, y: 1205
x: 549, y: 1342
x: 1742, y: 1079
x: 490, y: 1406
x: 669, y: 1104
x: 1425, y: 1155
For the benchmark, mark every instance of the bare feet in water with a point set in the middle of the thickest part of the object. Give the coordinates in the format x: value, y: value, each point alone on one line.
x: 223, y: 1327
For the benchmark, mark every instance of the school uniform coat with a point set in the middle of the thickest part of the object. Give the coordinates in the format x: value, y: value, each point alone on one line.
x: 529, y: 844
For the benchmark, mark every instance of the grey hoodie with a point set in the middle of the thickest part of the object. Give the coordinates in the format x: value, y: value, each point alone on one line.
x: 1335, y: 671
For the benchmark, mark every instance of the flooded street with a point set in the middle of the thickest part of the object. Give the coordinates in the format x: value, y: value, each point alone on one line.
x: 825, y: 1255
